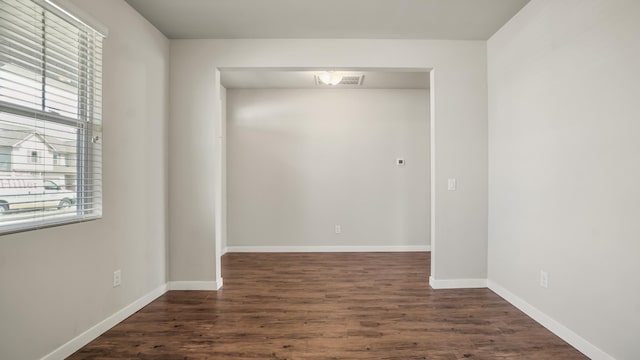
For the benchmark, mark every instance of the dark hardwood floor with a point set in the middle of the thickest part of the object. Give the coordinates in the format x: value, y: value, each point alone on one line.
x: 328, y: 306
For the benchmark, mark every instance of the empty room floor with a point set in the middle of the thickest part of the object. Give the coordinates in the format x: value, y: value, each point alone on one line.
x: 328, y: 306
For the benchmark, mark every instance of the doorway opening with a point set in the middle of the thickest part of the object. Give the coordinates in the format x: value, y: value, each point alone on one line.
x: 308, y: 167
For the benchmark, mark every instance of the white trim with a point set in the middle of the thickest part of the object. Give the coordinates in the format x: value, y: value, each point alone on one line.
x: 219, y: 192
x: 457, y: 283
x: 100, y: 328
x: 552, y: 325
x: 194, y: 285
x: 433, y: 241
x: 305, y: 249
x: 223, y: 251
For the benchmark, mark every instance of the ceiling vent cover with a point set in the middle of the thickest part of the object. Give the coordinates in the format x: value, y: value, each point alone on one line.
x: 347, y: 80
x: 352, y: 80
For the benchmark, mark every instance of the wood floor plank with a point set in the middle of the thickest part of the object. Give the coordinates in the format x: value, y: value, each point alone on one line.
x: 321, y: 306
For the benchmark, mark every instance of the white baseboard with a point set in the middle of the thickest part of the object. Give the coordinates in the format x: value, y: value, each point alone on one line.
x: 194, y: 285
x: 457, y: 283
x: 552, y: 325
x: 86, y: 337
x: 290, y: 249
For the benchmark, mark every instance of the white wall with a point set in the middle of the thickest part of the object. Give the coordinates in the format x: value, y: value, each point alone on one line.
x: 564, y: 170
x: 459, y: 115
x: 302, y: 161
x: 56, y: 283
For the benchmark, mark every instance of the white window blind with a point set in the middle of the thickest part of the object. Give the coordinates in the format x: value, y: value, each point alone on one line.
x: 50, y: 116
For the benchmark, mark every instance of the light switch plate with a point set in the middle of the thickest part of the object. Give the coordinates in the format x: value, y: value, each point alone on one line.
x: 451, y: 185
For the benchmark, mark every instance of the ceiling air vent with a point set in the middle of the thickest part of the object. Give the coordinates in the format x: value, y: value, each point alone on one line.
x: 347, y: 80
x: 352, y: 80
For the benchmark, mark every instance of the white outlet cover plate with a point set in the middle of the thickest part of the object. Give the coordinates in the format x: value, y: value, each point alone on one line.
x: 117, y: 278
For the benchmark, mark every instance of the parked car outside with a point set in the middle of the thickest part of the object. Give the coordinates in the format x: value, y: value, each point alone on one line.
x: 21, y: 194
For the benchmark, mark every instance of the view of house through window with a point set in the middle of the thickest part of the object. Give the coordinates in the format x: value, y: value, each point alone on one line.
x: 38, y: 169
x: 50, y: 117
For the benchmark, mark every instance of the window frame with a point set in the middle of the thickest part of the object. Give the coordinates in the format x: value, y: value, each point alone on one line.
x: 87, y: 91
x: 34, y: 158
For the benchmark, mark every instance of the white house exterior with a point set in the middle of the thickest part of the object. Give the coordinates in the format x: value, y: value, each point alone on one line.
x: 26, y: 152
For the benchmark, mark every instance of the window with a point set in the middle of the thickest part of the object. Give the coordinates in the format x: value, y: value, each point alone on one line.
x: 5, y: 158
x: 50, y: 109
x: 50, y: 185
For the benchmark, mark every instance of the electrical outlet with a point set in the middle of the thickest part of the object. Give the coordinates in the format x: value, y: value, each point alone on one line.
x: 338, y: 229
x: 117, y: 278
x: 544, y: 279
